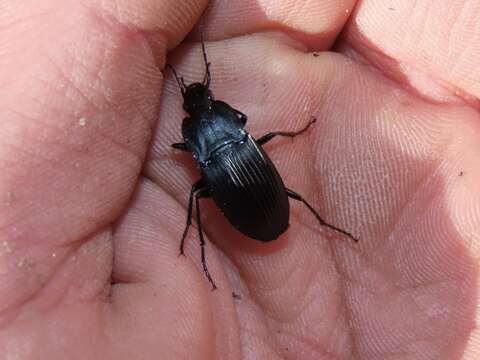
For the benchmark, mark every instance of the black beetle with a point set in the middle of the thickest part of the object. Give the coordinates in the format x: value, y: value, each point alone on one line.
x: 236, y: 171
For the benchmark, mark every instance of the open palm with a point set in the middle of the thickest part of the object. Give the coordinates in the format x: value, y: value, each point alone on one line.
x: 93, y: 199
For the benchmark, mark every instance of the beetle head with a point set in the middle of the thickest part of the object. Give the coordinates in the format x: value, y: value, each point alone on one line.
x: 196, y: 97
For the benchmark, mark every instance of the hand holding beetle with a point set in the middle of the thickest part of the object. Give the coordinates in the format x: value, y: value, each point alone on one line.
x: 93, y: 199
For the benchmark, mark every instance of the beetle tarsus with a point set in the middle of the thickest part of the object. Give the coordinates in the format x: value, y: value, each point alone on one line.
x: 291, y: 134
x: 292, y: 194
x: 195, y: 187
x: 203, y: 194
x: 198, y: 191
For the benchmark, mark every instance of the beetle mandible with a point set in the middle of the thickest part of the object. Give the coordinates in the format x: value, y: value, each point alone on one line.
x: 236, y: 171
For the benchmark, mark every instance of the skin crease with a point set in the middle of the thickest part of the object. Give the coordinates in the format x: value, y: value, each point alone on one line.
x: 93, y: 199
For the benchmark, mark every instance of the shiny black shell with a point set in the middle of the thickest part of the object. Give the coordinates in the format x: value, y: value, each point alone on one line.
x: 248, y: 189
x: 240, y: 176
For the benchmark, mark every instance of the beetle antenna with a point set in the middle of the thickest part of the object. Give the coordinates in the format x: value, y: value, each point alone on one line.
x: 180, y: 81
x: 207, y: 77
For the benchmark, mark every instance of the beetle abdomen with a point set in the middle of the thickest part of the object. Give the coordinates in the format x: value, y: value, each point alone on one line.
x: 246, y: 186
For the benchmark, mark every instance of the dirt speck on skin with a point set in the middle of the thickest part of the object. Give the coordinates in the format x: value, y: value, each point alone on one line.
x: 6, y: 247
x: 82, y: 122
x: 25, y: 263
x: 461, y: 173
x: 10, y: 197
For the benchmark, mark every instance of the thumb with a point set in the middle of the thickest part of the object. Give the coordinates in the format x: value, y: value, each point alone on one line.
x: 77, y: 114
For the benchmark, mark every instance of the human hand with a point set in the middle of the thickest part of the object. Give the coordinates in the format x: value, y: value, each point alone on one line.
x: 92, y: 211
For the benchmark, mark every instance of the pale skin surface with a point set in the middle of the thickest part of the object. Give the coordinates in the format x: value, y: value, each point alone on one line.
x: 93, y: 199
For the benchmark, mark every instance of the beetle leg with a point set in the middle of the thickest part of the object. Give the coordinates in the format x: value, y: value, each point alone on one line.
x: 298, y: 197
x: 180, y: 146
x: 195, y: 187
x: 269, y: 136
x: 203, y: 194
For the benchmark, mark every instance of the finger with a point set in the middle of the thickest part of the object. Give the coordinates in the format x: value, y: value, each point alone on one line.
x: 154, y: 20
x: 314, y: 24
x: 430, y: 46
x: 149, y: 274
x: 77, y: 115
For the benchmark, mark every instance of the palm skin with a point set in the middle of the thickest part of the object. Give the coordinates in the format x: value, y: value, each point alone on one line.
x: 93, y: 198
